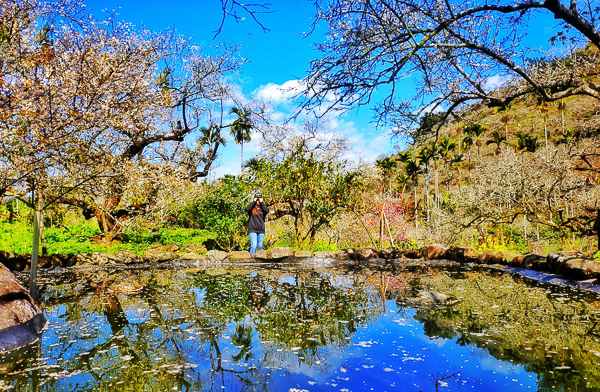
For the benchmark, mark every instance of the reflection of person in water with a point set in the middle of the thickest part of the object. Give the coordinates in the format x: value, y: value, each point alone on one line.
x: 259, y: 293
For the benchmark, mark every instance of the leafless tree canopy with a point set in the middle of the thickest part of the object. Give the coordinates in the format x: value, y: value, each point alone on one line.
x: 454, y: 53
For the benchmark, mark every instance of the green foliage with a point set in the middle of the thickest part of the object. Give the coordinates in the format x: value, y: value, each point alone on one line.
x: 503, y: 240
x: 18, y: 238
x: 527, y: 142
x: 222, y: 212
x: 428, y: 125
x: 311, y: 190
x: 322, y: 246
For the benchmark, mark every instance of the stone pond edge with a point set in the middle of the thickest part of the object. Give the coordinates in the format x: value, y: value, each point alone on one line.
x: 568, y: 264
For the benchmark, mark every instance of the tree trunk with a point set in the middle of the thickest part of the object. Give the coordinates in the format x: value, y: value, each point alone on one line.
x: 41, y: 223
x: 545, y: 132
x: 415, y: 211
x: 242, y: 158
x: 437, y: 195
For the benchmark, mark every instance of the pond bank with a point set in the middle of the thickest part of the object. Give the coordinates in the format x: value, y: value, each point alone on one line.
x: 571, y: 265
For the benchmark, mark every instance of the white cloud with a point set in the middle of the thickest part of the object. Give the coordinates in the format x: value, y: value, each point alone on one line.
x: 494, y: 82
x: 277, y: 94
x: 366, y: 141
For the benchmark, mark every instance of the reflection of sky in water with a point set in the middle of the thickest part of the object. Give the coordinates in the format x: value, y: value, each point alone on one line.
x: 393, y: 353
x: 390, y: 352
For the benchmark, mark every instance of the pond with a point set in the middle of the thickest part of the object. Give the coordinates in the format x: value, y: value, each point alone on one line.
x: 320, y: 327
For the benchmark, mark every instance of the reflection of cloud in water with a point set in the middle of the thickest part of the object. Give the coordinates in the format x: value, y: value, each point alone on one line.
x: 287, y: 279
x: 491, y: 363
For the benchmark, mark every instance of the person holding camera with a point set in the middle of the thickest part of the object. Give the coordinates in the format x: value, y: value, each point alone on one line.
x: 257, y: 211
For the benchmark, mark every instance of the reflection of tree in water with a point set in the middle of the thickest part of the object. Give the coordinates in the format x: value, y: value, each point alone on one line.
x: 301, y: 313
x: 200, y: 330
x: 167, y: 334
x: 551, y: 331
x: 129, y: 342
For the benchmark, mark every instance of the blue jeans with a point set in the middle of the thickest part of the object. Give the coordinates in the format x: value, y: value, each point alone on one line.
x: 256, y: 242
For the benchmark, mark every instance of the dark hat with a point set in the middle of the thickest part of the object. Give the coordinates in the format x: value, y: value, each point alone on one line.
x: 258, y: 195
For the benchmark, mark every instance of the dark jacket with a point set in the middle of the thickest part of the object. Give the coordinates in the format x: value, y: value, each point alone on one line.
x: 256, y: 223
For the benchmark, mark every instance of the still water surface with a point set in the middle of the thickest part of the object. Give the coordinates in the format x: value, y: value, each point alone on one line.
x: 315, y: 328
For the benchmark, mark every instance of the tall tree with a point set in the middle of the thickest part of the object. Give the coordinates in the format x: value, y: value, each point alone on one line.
x: 90, y: 113
x: 241, y: 129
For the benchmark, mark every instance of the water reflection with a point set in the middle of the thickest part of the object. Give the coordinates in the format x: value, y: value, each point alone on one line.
x: 250, y: 328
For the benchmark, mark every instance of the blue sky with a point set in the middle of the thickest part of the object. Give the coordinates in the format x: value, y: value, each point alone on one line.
x: 277, y: 58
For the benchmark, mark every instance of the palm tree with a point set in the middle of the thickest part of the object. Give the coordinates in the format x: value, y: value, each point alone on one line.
x: 564, y: 137
x: 241, y: 129
x: 504, y: 120
x: 404, y: 155
x: 527, y: 142
x: 242, y: 339
x: 475, y: 131
x: 496, y: 139
x: 210, y: 137
x: 425, y: 155
x: 562, y: 106
x: 387, y: 166
x: 446, y: 146
x: 412, y: 167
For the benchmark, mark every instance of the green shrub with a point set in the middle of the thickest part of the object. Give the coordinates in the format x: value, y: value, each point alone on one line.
x: 222, y: 212
x: 18, y: 237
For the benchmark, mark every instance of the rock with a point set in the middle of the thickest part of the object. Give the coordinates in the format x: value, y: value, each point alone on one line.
x: 367, y: 254
x: 591, y: 268
x: 470, y: 256
x: 350, y: 254
x: 84, y: 259
x: 262, y: 254
x: 303, y: 254
x: 554, y: 260
x: 411, y: 254
x: 195, y: 248
x: 105, y: 258
x: 160, y: 248
x: 216, y: 255
x: 490, y: 257
x: 240, y: 255
x: 512, y: 259
x: 278, y: 252
x: 125, y: 287
x: 21, y: 321
x: 160, y: 257
x: 388, y: 253
x: 341, y: 254
x: 534, y: 261
x: 431, y: 298
x: 124, y: 257
x: 15, y: 262
x: 572, y: 267
x: 457, y: 253
x: 324, y: 254
x: 192, y: 256
x: 435, y: 252
x: 64, y: 260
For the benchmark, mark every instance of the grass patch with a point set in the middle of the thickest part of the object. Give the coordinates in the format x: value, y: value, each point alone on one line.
x: 17, y: 237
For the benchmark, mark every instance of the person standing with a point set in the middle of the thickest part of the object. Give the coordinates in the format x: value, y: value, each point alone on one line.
x: 257, y: 211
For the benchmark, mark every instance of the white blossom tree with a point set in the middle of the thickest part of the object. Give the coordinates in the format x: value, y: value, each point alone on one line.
x: 451, y: 52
